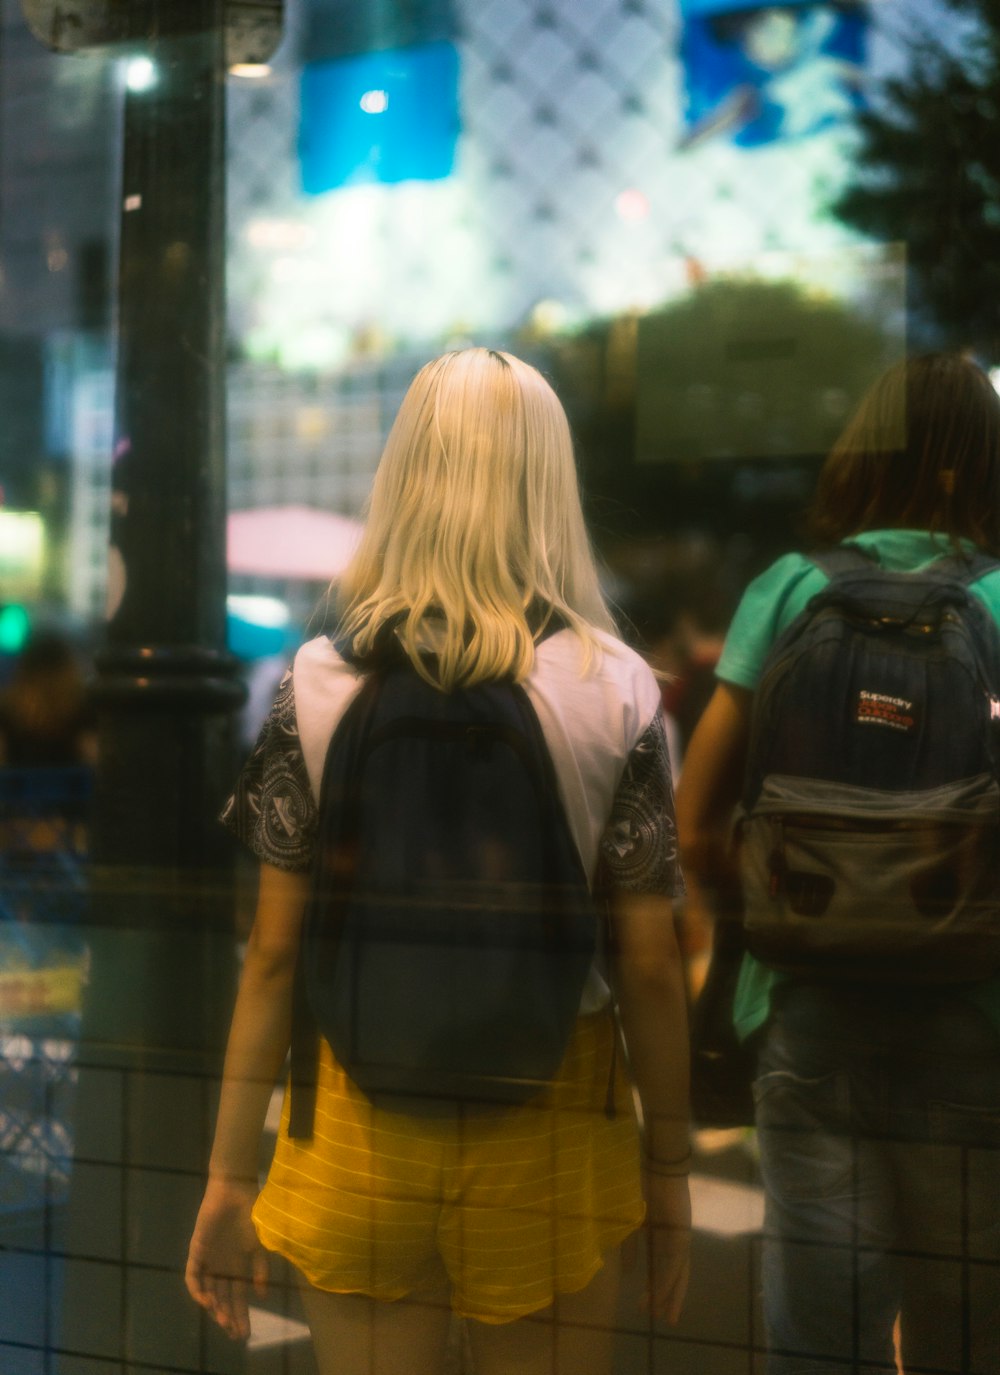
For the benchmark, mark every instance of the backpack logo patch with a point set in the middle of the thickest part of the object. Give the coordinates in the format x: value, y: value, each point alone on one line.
x: 879, y: 709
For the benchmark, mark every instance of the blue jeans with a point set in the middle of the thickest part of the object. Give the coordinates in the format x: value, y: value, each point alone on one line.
x: 878, y: 1118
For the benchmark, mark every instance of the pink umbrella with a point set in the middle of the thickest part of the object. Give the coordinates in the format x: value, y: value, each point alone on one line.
x: 291, y: 542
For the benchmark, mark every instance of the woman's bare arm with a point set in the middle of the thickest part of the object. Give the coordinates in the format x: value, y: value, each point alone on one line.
x: 710, y: 784
x: 649, y: 984
x: 224, y: 1256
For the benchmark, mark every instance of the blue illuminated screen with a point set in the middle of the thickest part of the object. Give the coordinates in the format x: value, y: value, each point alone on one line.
x: 379, y: 117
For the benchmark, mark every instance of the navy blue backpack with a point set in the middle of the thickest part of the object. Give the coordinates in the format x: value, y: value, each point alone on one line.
x: 450, y: 928
x: 869, y: 832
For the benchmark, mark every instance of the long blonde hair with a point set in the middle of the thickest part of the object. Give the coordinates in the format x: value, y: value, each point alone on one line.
x: 474, y: 536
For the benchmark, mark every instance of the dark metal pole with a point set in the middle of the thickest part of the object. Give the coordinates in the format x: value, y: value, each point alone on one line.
x: 163, y: 949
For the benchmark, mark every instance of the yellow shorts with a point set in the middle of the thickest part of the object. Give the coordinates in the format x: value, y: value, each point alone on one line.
x: 518, y: 1206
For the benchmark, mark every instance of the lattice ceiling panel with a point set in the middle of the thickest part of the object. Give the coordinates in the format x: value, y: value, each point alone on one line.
x: 570, y: 187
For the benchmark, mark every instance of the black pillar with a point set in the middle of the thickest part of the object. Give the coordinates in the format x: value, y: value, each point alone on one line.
x: 162, y: 978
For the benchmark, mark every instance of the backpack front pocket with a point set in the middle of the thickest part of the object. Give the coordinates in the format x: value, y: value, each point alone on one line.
x: 861, y: 883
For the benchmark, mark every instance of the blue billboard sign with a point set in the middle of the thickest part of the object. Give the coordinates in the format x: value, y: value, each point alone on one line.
x: 387, y: 116
x: 758, y: 74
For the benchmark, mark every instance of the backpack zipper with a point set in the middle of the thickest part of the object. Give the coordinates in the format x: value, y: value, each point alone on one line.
x: 777, y: 862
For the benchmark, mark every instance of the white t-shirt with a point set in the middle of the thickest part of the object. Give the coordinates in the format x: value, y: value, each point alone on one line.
x: 603, y: 728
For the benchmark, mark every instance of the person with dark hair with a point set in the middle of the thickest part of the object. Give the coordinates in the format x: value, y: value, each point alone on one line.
x: 45, y: 717
x: 877, y: 1103
x: 919, y: 454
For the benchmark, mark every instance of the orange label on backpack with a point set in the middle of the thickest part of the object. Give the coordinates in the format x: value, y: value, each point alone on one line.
x: 879, y: 709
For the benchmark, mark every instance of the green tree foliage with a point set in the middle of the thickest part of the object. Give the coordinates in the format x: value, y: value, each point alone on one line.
x: 726, y: 398
x: 748, y: 369
x: 928, y: 175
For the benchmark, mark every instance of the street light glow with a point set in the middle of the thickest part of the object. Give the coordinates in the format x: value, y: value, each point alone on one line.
x: 632, y: 205
x: 375, y: 102
x: 140, y: 74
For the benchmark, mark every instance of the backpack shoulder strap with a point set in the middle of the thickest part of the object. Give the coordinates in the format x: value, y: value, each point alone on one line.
x: 304, y: 1063
x: 844, y: 558
x: 963, y: 568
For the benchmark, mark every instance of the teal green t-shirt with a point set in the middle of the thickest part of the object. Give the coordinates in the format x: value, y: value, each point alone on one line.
x: 768, y: 607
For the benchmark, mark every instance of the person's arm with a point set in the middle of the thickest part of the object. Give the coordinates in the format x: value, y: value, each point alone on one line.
x: 649, y: 985
x: 224, y: 1255
x: 709, y: 787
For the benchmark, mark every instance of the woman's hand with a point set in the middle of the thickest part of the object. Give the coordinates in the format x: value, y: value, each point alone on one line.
x: 668, y: 1244
x: 225, y: 1258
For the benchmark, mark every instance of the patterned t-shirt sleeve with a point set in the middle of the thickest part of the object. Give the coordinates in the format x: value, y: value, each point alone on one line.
x: 272, y: 810
x: 639, y: 845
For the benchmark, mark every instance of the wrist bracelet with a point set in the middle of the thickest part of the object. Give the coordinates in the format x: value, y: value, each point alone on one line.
x: 669, y: 1169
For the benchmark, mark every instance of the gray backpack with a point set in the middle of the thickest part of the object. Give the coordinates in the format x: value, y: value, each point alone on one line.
x: 869, y: 831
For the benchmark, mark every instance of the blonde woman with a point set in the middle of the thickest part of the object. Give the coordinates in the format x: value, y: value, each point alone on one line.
x: 475, y: 563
